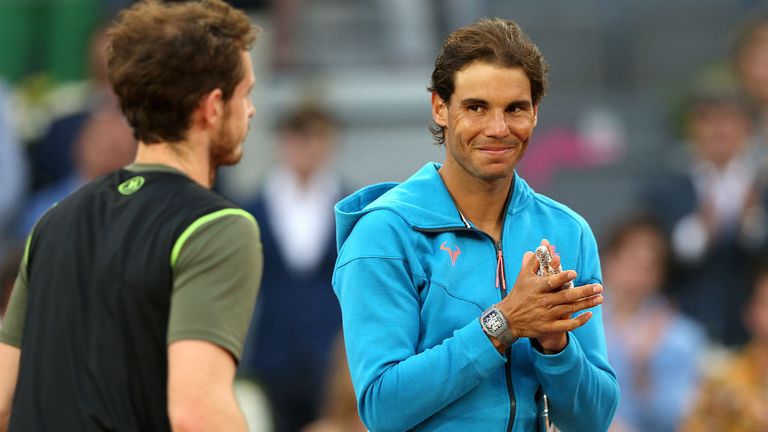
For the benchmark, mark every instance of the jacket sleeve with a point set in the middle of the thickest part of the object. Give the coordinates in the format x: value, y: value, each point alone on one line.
x: 580, y: 384
x: 377, y: 284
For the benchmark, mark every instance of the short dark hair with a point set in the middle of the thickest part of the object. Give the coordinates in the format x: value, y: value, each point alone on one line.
x: 627, y: 225
x: 490, y: 40
x: 642, y: 221
x: 723, y: 96
x: 304, y: 117
x: 163, y: 57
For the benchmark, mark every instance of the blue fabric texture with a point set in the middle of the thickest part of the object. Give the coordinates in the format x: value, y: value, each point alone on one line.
x: 412, y: 280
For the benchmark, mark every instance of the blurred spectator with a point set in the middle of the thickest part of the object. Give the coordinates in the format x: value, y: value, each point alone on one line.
x: 653, y: 347
x: 13, y: 173
x: 735, y: 396
x: 104, y: 144
x: 297, y: 316
x: 715, y: 212
x: 286, y: 53
x: 51, y: 158
x: 339, y: 408
x: 750, y: 62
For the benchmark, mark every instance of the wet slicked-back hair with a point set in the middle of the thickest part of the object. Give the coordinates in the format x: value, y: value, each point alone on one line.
x: 490, y: 40
x: 163, y: 57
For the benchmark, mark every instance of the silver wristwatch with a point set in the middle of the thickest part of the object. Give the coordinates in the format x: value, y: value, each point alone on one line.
x: 494, y: 324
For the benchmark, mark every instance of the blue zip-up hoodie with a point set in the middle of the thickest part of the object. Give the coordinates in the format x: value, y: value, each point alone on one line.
x: 413, y: 277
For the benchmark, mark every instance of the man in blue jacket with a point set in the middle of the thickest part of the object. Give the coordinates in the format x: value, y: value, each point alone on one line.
x: 438, y: 336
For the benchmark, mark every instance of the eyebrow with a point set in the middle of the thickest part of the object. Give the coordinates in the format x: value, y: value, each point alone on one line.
x: 473, y: 101
x: 522, y: 103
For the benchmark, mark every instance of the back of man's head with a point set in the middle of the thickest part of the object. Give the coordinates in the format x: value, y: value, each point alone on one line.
x: 163, y: 57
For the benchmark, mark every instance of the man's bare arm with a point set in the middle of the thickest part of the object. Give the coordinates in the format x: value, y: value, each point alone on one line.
x: 200, y: 388
x: 9, y: 373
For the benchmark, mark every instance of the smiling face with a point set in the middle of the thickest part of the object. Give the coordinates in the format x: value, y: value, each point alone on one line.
x: 488, y: 122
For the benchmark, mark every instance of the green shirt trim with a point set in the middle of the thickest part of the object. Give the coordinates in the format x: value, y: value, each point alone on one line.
x: 200, y: 222
x: 26, y: 248
x: 216, y: 281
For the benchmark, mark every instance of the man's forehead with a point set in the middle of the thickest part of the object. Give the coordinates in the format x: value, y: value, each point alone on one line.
x: 487, y: 81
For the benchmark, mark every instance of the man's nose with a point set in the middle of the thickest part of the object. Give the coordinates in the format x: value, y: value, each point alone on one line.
x: 497, y: 125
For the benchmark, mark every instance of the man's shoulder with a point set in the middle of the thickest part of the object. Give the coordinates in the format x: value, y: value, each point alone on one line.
x: 161, y: 196
x: 418, y: 190
x: 558, y: 210
x: 231, y: 220
x: 221, y: 229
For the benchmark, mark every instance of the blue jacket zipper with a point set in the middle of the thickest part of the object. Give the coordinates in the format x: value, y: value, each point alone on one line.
x: 501, y: 284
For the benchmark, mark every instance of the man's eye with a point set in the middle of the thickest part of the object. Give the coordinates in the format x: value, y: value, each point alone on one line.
x: 475, y: 108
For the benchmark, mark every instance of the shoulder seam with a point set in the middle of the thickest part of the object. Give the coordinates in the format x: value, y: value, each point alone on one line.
x: 340, y: 265
x: 386, y: 258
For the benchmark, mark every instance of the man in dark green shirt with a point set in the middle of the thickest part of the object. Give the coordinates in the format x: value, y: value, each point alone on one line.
x: 135, y: 292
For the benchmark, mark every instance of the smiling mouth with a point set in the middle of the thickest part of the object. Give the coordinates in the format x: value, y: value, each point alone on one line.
x: 496, y: 150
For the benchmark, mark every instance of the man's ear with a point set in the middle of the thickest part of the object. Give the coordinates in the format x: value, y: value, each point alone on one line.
x: 212, y: 107
x: 535, y: 115
x: 439, y: 110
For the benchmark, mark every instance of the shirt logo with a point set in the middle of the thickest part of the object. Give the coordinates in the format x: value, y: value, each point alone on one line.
x: 452, y: 253
x: 131, y: 185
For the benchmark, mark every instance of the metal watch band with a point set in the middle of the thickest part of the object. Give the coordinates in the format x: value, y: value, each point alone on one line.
x: 506, y: 338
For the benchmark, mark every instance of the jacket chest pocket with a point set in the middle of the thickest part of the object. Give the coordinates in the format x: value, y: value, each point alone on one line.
x: 454, y: 296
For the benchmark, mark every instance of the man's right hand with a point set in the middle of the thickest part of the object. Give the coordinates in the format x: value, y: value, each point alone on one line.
x: 536, y: 308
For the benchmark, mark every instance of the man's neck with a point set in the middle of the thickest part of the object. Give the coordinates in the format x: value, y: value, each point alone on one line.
x: 483, y: 203
x: 193, y: 160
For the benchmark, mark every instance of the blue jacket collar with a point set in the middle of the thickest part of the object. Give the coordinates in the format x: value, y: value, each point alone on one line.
x: 423, y: 201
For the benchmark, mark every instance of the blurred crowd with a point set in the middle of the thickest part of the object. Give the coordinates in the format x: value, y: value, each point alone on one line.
x: 685, y: 269
x: 685, y: 316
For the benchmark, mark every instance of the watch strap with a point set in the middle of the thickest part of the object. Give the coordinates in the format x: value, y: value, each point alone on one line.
x: 506, y: 338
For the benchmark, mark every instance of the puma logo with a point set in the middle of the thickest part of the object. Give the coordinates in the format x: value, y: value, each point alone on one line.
x: 452, y: 253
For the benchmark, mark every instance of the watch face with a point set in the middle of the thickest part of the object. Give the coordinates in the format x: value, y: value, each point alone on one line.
x: 493, y: 322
